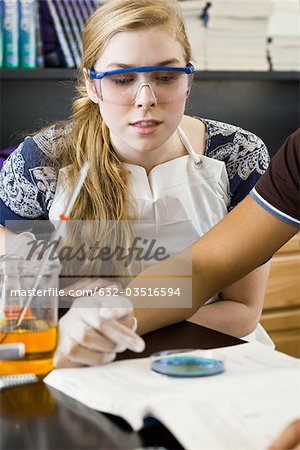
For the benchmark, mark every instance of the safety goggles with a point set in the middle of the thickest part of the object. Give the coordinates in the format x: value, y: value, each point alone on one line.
x: 123, y: 86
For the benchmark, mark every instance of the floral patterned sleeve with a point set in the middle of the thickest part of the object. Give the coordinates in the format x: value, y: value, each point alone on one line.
x: 27, y: 184
x: 245, y: 156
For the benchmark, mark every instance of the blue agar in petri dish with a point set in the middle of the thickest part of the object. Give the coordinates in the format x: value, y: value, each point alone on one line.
x: 187, y: 366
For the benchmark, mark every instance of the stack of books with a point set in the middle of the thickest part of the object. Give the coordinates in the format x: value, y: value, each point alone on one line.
x: 192, y: 11
x: 69, y: 18
x: 284, y: 33
x: 20, y: 34
x: 35, y: 33
x: 236, y: 35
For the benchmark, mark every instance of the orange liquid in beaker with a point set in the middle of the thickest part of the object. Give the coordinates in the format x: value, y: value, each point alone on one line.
x: 39, y: 338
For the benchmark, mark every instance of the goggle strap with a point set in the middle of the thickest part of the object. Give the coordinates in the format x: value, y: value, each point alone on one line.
x: 189, y: 69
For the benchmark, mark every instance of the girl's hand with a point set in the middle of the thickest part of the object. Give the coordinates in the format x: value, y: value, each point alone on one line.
x: 92, y: 332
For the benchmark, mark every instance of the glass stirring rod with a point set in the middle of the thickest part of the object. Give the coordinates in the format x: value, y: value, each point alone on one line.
x: 55, y: 236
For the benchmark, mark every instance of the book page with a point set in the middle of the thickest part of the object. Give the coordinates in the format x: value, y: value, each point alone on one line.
x: 131, y: 390
x: 248, y: 422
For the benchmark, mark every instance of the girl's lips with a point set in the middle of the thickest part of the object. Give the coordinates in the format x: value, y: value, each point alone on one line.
x: 146, y: 123
x: 146, y: 126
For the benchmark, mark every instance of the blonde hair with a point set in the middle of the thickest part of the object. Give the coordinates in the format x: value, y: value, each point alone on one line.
x: 105, y: 195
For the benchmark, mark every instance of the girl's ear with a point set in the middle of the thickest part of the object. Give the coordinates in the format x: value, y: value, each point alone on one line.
x: 90, y: 87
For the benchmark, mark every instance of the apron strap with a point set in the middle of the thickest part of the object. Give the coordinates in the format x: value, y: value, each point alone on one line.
x: 184, y: 139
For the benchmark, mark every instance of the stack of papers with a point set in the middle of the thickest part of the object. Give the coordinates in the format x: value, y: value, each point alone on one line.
x: 236, y: 37
x: 192, y: 12
x: 243, y: 408
x: 284, y: 31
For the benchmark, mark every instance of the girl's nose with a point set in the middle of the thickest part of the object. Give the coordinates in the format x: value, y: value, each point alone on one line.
x: 145, y: 97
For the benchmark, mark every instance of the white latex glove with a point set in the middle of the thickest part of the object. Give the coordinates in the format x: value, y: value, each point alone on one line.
x: 92, y: 332
x: 21, y: 245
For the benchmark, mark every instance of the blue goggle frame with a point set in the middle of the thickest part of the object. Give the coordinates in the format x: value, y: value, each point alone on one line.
x: 188, y: 69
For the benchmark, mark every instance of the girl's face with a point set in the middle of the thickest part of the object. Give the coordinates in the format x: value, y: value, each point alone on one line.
x: 145, y: 126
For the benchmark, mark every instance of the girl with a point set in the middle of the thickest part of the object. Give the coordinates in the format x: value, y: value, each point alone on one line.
x: 148, y: 160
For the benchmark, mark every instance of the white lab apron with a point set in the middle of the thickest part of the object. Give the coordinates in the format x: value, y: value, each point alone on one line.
x: 182, y: 198
x: 177, y: 202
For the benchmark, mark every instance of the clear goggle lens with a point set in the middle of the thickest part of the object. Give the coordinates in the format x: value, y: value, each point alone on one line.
x: 124, y: 89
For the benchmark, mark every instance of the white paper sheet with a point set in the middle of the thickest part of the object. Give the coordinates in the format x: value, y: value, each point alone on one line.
x: 259, y: 386
x: 248, y: 422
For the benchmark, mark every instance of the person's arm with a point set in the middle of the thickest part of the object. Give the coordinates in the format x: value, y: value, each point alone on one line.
x: 289, y: 439
x: 241, y: 304
x: 238, y: 310
x: 242, y: 241
x: 26, y: 181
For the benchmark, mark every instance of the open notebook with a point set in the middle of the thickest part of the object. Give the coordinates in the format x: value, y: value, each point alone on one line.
x: 243, y: 408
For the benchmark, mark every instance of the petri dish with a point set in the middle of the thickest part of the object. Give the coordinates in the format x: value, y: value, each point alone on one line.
x: 176, y: 363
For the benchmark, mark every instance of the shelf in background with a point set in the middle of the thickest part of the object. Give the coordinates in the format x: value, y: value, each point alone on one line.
x: 259, y: 76
x: 38, y: 74
x: 70, y: 74
x: 267, y: 103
